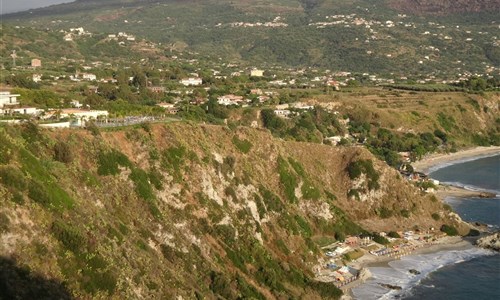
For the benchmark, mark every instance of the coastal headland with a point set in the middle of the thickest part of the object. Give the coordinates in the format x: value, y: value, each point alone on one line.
x: 438, y: 242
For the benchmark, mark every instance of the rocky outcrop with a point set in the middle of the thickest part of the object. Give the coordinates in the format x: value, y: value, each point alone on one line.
x: 490, y: 242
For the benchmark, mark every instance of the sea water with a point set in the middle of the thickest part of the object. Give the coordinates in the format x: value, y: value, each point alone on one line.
x: 471, y: 273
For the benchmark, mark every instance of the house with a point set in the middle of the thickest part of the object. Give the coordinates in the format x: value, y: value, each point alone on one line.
x: 80, y: 116
x: 334, y: 84
x: 93, y: 89
x: 230, y: 99
x: 36, y: 63
x: 334, y: 139
x: 192, y: 81
x: 157, y: 89
x: 7, y: 101
x: 76, y: 104
x: 169, y: 108
x: 282, y: 112
x: 37, y: 77
x: 89, y: 76
x: 351, y: 240
x: 256, y: 73
x: 256, y: 91
x: 25, y: 111
x: 405, y: 156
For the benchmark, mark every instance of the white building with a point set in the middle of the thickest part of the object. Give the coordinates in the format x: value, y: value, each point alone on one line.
x: 37, y: 77
x: 192, y: 81
x: 8, y: 100
x: 80, y: 116
x: 282, y: 112
x: 256, y: 73
x: 230, y: 100
x: 25, y: 110
x: 89, y: 76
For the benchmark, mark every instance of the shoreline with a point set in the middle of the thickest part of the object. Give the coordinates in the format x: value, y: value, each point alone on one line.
x: 446, y: 243
x: 436, y: 160
x: 426, y: 165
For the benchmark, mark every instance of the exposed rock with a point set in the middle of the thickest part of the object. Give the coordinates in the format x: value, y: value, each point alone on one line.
x: 490, y: 242
x: 390, y: 286
x: 414, y: 272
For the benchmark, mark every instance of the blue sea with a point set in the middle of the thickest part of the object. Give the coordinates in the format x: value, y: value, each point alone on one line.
x: 471, y: 273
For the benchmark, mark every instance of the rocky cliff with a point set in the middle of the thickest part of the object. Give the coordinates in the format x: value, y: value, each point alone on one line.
x: 184, y: 210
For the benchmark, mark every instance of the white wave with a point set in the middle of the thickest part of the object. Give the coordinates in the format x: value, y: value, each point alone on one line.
x: 397, y: 274
x: 470, y: 187
x: 459, y: 161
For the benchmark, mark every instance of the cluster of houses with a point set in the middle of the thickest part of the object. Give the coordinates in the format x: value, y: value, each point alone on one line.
x: 334, y: 268
x: 71, y: 117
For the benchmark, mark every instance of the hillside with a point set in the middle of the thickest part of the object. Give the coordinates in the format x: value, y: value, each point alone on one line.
x: 356, y: 36
x: 169, y: 210
x: 444, y: 7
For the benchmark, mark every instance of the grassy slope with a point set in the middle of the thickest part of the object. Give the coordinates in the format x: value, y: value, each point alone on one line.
x: 185, y: 209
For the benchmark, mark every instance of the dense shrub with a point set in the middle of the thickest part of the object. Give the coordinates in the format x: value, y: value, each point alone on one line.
x: 436, y: 216
x: 62, y: 152
x: 271, y: 200
x: 393, y: 234
x: 287, y: 179
x: 356, y: 168
x: 12, y: 178
x: 384, y: 212
x: 109, y: 162
x: 449, y: 230
x: 70, y: 236
x: 172, y: 160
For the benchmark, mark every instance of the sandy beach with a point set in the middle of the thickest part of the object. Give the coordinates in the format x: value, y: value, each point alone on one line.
x: 425, y: 164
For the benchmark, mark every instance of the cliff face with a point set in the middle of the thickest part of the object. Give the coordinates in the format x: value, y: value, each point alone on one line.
x: 444, y: 7
x: 190, y: 210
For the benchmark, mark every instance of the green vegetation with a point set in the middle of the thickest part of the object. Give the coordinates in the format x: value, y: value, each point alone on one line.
x: 287, y: 179
x: 449, y: 230
x: 243, y: 145
x: 70, y: 236
x: 172, y: 159
x: 393, y: 234
x: 356, y: 168
x: 109, y: 163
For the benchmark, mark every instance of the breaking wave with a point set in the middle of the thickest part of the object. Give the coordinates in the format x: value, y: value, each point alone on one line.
x: 398, y: 275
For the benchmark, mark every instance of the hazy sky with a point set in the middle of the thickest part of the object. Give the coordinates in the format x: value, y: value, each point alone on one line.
x: 8, y: 6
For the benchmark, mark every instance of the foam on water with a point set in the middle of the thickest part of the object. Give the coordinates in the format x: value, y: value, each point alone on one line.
x: 472, y: 188
x: 397, y: 274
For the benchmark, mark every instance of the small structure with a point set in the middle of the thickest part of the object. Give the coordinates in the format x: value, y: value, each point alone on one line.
x: 256, y: 73
x: 230, y: 100
x: 157, y: 89
x: 192, y: 81
x: 76, y: 104
x: 26, y: 110
x: 80, y: 116
x: 7, y: 102
x: 36, y: 63
x: 37, y: 77
x: 169, y: 108
x: 89, y: 76
x: 334, y: 84
x: 282, y: 112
